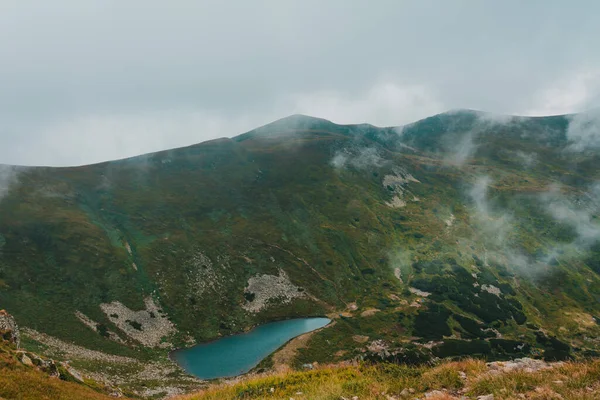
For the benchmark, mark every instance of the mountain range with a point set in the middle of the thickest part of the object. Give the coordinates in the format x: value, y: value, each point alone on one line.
x: 462, y: 234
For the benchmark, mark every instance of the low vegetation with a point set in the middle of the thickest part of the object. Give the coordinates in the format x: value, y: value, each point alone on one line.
x: 441, y: 242
x: 19, y: 381
x: 466, y: 379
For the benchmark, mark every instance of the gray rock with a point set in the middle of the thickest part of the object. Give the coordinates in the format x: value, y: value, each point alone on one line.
x: 433, y: 393
x: 9, y: 328
x: 74, y: 373
x: 26, y: 360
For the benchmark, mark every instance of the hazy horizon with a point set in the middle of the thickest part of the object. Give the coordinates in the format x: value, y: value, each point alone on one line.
x: 86, y: 82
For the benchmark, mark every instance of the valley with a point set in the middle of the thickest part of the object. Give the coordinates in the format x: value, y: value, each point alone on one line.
x: 461, y: 235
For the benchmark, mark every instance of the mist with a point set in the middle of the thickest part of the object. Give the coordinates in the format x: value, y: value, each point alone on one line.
x: 463, y: 150
x: 584, y: 131
x: 528, y: 160
x: 579, y: 216
x: 461, y: 147
x: 496, y: 229
x: 8, y: 178
x: 359, y: 158
x: 494, y: 226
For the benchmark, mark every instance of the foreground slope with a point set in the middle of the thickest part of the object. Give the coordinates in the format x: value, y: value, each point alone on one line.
x: 461, y: 234
x: 18, y: 381
x: 25, y: 375
x: 467, y: 379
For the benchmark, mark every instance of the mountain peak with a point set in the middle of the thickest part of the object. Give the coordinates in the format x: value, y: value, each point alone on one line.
x: 289, y: 124
x: 296, y: 121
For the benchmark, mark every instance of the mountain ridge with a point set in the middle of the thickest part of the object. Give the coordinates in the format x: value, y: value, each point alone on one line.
x: 453, y: 237
x: 299, y: 122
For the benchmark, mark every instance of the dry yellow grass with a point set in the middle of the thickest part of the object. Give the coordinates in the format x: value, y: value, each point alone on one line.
x: 21, y: 382
x: 450, y: 380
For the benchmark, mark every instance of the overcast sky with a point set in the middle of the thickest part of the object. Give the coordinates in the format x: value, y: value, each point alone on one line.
x: 88, y: 81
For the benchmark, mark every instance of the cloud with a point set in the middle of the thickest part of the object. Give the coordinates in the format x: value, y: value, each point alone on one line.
x: 575, y: 92
x: 478, y: 194
x: 526, y: 159
x: 101, y: 137
x: 493, y: 226
x: 584, y: 131
x: 489, y: 119
x: 460, y: 147
x: 8, y: 178
x: 400, y: 260
x: 496, y: 231
x: 595, y: 192
x: 578, y: 216
x: 359, y: 158
x: 493, y: 229
x: 462, y: 150
x: 261, y: 64
x: 340, y: 159
x: 383, y: 104
x: 98, y: 137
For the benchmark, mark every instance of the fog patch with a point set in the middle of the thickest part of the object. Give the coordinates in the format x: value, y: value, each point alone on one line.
x: 527, y: 160
x: 478, y: 193
x: 399, y: 130
x: 575, y: 213
x: 339, y: 160
x: 579, y: 215
x: 385, y: 103
x: 9, y: 176
x: 462, y: 147
x: 400, y: 260
x: 496, y: 119
x: 584, y: 131
x: 362, y: 158
x: 495, y: 229
x: 594, y: 193
x: 495, y: 226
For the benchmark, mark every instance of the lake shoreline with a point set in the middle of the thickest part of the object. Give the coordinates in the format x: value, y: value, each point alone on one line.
x: 243, y: 351
x: 250, y: 329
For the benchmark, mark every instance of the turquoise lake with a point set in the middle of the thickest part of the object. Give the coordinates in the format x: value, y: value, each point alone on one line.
x: 238, y: 354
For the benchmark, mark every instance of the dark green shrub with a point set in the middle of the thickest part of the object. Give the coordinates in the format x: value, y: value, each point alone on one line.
x: 453, y: 347
x: 432, y: 323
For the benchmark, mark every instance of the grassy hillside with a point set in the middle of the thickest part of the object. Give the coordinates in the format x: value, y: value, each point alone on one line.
x: 467, y: 379
x: 18, y: 381
x: 460, y: 234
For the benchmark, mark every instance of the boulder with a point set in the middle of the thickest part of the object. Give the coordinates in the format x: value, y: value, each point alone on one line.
x: 8, y: 328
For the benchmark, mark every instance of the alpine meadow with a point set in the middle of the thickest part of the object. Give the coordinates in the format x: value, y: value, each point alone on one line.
x: 462, y: 235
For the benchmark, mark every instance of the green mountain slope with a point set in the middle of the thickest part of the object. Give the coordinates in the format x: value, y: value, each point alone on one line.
x: 24, y: 375
x: 472, y: 232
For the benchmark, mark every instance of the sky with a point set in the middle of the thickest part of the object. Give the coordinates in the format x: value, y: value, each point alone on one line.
x: 89, y: 81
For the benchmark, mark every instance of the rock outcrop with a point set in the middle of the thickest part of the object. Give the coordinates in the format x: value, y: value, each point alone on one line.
x: 8, y: 328
x: 149, y: 326
x: 263, y: 289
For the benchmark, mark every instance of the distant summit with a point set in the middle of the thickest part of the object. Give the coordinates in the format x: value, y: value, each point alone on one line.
x: 288, y: 125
